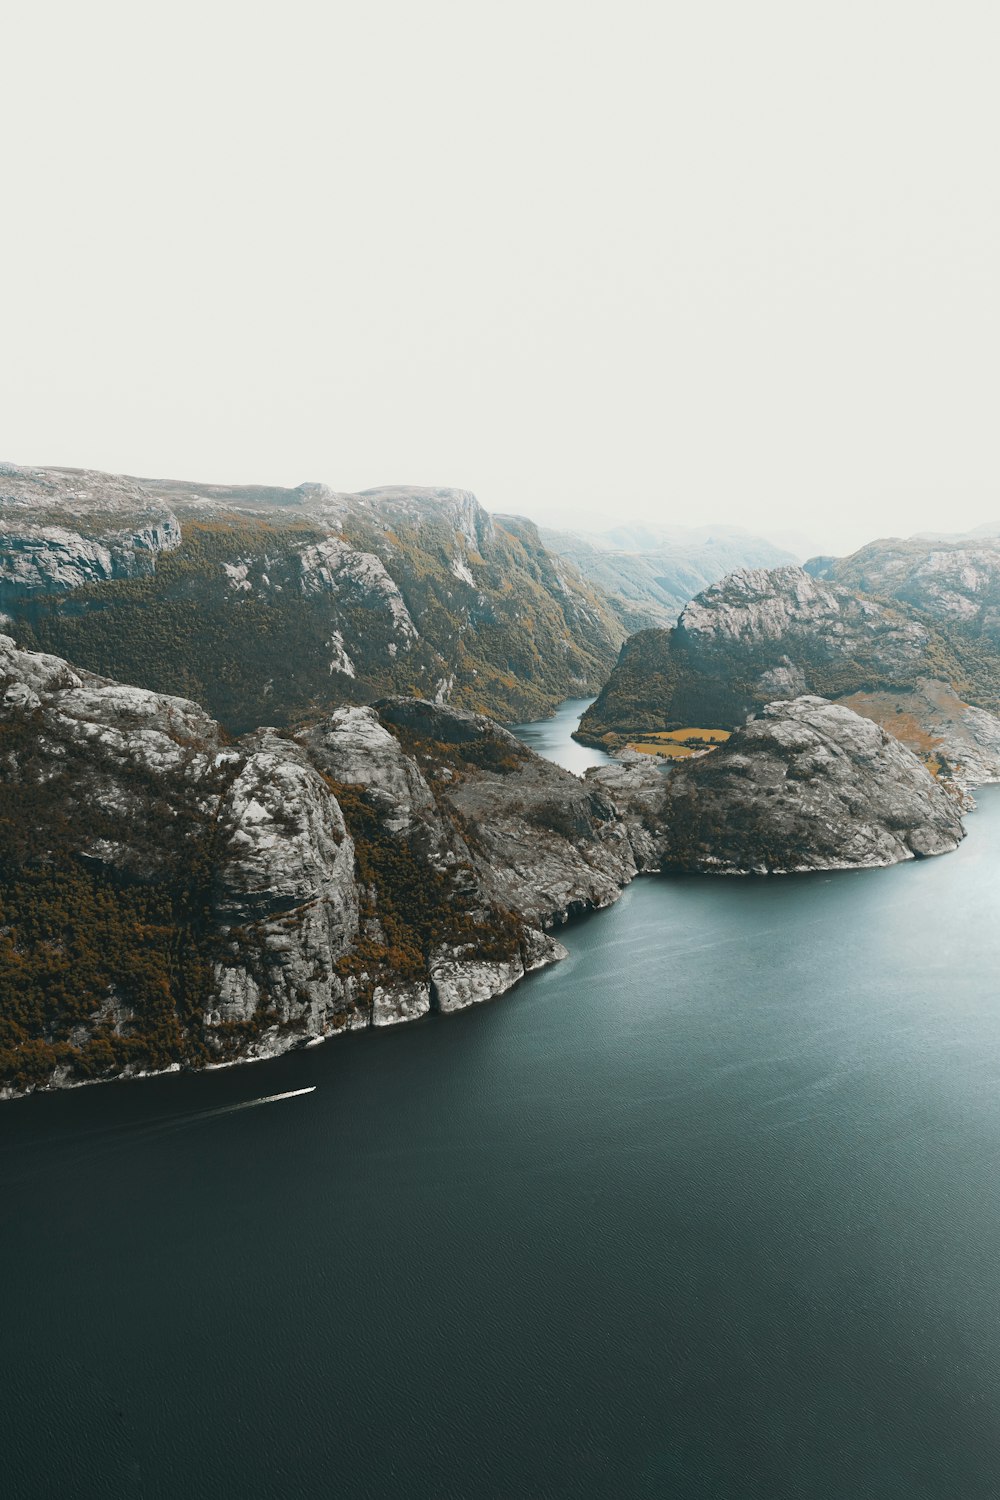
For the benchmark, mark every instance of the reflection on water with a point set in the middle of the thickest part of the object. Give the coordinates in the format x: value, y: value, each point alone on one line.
x: 553, y: 738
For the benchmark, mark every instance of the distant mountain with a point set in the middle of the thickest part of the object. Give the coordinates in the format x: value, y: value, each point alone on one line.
x: 267, y: 604
x: 954, y: 580
x: 650, y: 572
x: 760, y: 635
x: 952, y: 584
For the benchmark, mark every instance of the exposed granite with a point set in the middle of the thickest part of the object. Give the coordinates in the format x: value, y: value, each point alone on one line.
x: 758, y: 635
x: 302, y: 937
x: 308, y: 596
x: 806, y: 785
x: 63, y: 528
x: 954, y: 581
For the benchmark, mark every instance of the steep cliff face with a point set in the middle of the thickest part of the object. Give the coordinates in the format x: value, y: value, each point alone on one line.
x: 170, y: 896
x: 952, y: 586
x: 763, y: 633
x: 806, y: 785
x: 165, y: 896
x: 542, y: 843
x: 272, y: 603
x: 957, y: 582
x: 63, y: 528
x: 758, y: 636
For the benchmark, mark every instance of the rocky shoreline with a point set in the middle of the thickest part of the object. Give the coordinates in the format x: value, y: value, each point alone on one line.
x: 380, y: 864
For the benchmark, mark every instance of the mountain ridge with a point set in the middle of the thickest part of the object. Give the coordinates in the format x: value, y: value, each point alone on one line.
x: 268, y: 604
x: 762, y: 635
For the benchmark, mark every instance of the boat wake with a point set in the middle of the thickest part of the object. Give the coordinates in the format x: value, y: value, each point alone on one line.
x: 232, y: 1109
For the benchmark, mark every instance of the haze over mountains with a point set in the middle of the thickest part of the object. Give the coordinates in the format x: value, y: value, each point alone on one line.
x: 650, y: 572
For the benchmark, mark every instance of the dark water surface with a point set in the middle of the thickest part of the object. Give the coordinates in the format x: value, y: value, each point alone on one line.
x: 553, y: 738
x: 710, y: 1210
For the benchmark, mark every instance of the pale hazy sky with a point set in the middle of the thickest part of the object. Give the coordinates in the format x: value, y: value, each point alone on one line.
x: 726, y: 261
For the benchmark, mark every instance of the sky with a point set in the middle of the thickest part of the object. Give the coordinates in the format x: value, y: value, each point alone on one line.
x: 721, y: 263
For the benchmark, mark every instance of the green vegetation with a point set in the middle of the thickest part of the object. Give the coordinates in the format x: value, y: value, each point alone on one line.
x: 516, y: 641
x: 409, y: 908
x: 75, y: 946
x: 100, y: 972
x: 637, y: 697
x: 254, y: 649
x: 250, y: 657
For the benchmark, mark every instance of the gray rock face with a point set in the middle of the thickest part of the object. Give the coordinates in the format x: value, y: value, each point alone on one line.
x: 286, y: 865
x: 807, y: 785
x: 331, y: 567
x: 954, y: 582
x: 541, y: 842
x: 142, y: 778
x: 460, y: 849
x: 637, y: 787
x: 813, y: 625
x: 392, y: 590
x: 63, y: 528
x: 758, y: 635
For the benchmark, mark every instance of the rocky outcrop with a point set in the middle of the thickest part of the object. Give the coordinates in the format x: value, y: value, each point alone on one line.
x: 333, y: 568
x: 952, y: 582
x: 636, y: 785
x: 228, y: 900
x: 61, y: 529
x: 950, y: 585
x: 757, y: 634
x: 758, y: 637
x: 806, y: 785
x: 542, y: 843
x: 284, y: 600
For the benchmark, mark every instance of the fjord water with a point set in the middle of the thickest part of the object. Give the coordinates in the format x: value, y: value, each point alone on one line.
x: 712, y: 1209
x: 553, y: 738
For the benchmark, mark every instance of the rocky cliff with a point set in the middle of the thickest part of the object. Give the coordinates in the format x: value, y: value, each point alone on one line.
x: 169, y: 896
x: 952, y: 581
x: 953, y: 586
x: 758, y: 635
x: 266, y: 604
x: 63, y: 528
x: 762, y: 635
x: 806, y: 785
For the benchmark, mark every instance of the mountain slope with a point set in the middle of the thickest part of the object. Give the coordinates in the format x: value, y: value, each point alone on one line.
x: 267, y: 605
x: 170, y: 897
x: 953, y: 584
x: 650, y: 572
x: 806, y: 785
x: 761, y: 635
x: 755, y: 636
